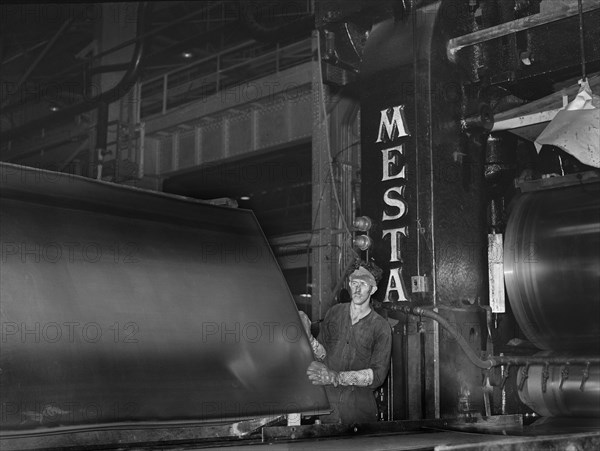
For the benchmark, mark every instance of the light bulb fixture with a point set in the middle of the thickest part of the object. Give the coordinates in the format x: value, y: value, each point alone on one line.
x: 362, y: 223
x: 363, y: 242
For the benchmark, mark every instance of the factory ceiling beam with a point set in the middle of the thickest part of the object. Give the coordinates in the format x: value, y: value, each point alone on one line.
x: 525, y: 23
x: 23, y: 52
x: 286, y: 83
x: 108, y: 96
x: 39, y: 58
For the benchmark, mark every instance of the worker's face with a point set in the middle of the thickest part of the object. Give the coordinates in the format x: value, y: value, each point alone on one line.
x: 361, y: 291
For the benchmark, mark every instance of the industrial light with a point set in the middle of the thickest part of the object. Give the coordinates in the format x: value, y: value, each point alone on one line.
x: 362, y: 223
x: 363, y: 242
x: 306, y: 295
x: 54, y: 108
x: 245, y: 198
x: 187, y: 55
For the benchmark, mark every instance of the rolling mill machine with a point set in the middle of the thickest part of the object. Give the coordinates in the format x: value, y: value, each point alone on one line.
x: 135, y: 318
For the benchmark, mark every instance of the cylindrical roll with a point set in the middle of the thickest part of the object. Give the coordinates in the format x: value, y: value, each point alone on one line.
x: 572, y: 399
x: 552, y: 267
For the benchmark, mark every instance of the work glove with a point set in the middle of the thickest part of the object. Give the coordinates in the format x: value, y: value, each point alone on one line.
x: 319, y: 374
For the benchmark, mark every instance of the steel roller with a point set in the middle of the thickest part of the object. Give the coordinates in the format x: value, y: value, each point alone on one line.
x: 561, y: 390
x: 552, y: 267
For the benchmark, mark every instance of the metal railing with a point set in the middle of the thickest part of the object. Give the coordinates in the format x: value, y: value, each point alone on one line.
x: 208, y: 76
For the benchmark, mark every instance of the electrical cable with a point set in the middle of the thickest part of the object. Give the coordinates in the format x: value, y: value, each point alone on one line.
x: 312, y: 233
x: 344, y: 149
x: 325, y: 125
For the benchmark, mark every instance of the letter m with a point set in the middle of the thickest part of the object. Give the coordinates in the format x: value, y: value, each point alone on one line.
x: 393, y: 128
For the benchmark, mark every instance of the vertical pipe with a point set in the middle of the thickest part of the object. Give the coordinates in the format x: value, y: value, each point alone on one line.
x: 101, y: 137
x: 165, y: 89
x: 118, y: 141
x: 423, y: 373
x: 581, y: 41
x: 218, y: 81
x: 142, y: 151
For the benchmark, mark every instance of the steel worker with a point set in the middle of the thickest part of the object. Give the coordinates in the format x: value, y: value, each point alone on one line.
x: 352, y: 353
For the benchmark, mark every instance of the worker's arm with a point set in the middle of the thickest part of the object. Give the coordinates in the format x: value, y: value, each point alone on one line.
x: 317, y: 348
x: 380, y: 358
x: 360, y: 378
x: 373, y: 376
x: 319, y: 374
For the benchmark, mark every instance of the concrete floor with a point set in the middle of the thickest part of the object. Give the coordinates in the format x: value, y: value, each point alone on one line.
x: 389, y: 442
x: 540, y: 439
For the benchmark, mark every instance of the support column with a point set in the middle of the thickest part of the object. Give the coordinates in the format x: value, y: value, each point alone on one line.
x: 335, y: 157
x: 320, y: 248
x: 119, y: 24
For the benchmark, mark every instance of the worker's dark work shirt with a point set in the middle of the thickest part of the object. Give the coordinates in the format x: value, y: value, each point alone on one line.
x: 366, y: 344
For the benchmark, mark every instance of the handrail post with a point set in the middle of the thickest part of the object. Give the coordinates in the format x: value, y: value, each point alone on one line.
x: 218, y: 87
x: 165, y: 90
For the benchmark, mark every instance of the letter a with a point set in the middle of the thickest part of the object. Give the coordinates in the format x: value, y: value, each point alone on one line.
x: 395, y: 283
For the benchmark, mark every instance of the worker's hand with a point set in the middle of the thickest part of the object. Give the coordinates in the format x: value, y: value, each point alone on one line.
x: 319, y: 374
x: 305, y: 322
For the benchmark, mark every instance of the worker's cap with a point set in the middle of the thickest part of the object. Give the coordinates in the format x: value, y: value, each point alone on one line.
x: 365, y: 275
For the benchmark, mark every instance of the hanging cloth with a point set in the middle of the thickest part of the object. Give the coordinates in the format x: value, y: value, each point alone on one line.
x: 576, y: 129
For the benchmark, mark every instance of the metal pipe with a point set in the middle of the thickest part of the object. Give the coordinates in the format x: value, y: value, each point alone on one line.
x: 108, y: 97
x: 23, y: 52
x: 484, y: 121
x: 420, y: 311
x: 492, y: 360
x: 137, y: 39
x: 525, y: 23
x: 423, y: 364
x: 101, y: 134
x: 581, y: 41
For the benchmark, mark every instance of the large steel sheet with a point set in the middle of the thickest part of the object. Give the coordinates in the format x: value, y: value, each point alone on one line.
x: 121, y: 305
